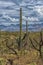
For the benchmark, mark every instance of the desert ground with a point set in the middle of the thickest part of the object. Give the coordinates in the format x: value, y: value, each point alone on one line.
x: 27, y: 55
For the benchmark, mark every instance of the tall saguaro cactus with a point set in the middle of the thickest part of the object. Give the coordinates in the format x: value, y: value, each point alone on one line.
x: 19, y: 40
x: 26, y: 27
x: 20, y: 22
x: 20, y: 27
x: 26, y: 31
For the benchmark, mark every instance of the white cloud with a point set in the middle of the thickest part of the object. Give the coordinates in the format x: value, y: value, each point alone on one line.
x: 14, y: 10
x: 7, y: 23
x: 11, y: 19
x: 22, y: 4
x: 30, y: 19
x: 33, y: 19
x: 24, y: 18
x: 39, y: 9
x: 40, y: 2
x: 4, y: 3
x: 2, y: 20
x: 9, y: 12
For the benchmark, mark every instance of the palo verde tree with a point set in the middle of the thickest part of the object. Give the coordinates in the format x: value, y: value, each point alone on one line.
x: 40, y: 44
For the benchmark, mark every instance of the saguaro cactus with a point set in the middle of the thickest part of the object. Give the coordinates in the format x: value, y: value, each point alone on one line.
x: 20, y: 39
x: 19, y: 42
x: 26, y: 31
x: 20, y: 22
x: 26, y: 34
x: 26, y: 27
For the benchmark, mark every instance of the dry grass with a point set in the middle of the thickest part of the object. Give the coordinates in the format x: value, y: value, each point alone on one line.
x: 26, y: 57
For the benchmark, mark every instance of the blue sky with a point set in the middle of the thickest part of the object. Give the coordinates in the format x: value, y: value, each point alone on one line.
x: 32, y: 11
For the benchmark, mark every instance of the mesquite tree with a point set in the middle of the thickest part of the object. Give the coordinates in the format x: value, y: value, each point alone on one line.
x: 40, y: 44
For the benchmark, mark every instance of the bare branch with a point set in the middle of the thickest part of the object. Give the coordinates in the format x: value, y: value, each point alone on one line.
x: 9, y: 46
x: 33, y: 44
x: 24, y: 36
x: 25, y: 44
x: 36, y: 41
